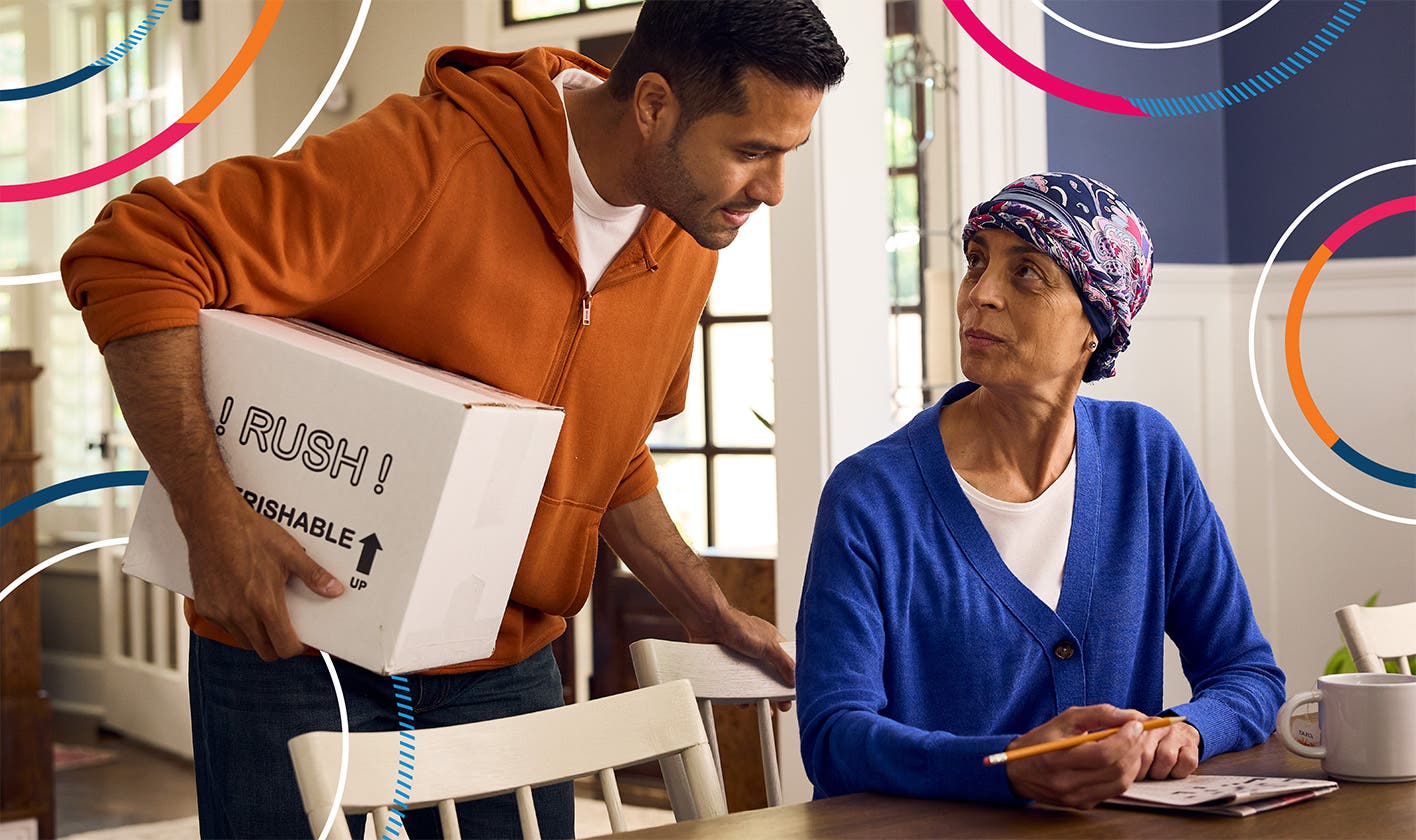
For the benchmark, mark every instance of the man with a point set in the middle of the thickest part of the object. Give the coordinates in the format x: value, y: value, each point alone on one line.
x: 520, y: 223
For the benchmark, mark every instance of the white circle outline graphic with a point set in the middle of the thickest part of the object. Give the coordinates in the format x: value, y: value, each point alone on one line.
x: 334, y: 80
x: 1153, y: 45
x: 334, y: 811
x: 1253, y: 363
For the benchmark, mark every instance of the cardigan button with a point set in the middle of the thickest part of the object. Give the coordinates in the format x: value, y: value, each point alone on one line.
x: 1064, y: 650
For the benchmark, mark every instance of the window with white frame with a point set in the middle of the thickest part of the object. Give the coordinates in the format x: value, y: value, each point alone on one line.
x: 717, y: 473
x: 101, y: 119
x: 904, y: 103
x: 527, y: 11
x: 7, y: 335
x: 122, y: 107
x: 14, y: 237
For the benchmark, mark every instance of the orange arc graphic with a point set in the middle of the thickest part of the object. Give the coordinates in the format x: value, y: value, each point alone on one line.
x: 237, y: 68
x: 1293, y: 355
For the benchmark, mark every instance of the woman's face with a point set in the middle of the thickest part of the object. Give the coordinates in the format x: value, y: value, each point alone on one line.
x: 1020, y: 320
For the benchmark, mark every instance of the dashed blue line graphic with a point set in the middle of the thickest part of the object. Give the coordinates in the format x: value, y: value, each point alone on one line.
x: 109, y: 59
x: 1170, y: 106
x: 1262, y: 81
x: 407, y: 749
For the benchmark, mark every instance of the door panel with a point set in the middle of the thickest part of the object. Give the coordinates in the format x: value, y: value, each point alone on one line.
x: 144, y: 639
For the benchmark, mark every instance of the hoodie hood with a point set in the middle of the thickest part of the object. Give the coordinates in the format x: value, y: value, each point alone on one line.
x: 512, y: 97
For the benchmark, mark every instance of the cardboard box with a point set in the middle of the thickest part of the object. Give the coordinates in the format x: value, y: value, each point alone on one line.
x: 413, y: 486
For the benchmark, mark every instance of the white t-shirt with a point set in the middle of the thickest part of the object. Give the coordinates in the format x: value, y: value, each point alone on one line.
x: 601, y: 228
x: 1031, y: 537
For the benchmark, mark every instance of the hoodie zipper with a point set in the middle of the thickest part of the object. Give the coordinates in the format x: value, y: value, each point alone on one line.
x: 578, y: 327
x: 583, y: 324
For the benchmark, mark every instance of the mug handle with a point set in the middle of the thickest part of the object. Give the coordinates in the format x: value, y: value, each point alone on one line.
x: 1285, y: 724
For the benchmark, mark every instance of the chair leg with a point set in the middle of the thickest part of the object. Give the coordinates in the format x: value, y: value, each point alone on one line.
x: 765, y: 735
x: 610, y: 788
x: 680, y: 793
x: 705, y: 710
x: 338, y: 829
x: 703, y: 781
x: 447, y: 810
x: 530, y: 828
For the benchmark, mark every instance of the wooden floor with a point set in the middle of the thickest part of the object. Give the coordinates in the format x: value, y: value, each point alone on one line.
x: 142, y: 785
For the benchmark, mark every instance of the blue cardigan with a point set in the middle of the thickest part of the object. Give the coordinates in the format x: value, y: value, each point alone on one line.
x: 919, y: 652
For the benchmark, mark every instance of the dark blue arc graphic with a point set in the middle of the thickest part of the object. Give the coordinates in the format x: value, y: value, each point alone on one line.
x: 1378, y: 471
x: 109, y: 58
x: 72, y: 487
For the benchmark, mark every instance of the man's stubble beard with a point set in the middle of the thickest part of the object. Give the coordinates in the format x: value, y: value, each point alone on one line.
x: 665, y: 183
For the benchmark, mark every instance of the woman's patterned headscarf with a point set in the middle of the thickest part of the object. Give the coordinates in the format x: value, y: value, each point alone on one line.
x: 1097, y: 239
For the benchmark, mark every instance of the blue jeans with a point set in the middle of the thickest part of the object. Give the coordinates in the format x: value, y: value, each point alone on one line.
x: 245, y: 710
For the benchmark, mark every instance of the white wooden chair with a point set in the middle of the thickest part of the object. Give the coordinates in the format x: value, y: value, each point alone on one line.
x: 1377, y: 633
x: 718, y: 675
x: 478, y: 760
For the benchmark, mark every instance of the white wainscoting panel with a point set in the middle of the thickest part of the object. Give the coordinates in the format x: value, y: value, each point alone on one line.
x: 1358, y: 347
x: 1179, y: 364
x: 1303, y: 553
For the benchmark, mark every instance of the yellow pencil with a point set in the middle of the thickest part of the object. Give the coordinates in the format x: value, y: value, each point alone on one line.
x: 1065, y: 743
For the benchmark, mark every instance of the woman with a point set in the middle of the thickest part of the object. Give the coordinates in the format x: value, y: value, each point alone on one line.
x: 1002, y: 570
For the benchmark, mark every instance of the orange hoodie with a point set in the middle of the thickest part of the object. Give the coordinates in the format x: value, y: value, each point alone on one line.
x: 439, y: 227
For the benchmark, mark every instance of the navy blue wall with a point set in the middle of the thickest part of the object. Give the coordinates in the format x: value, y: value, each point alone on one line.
x: 1221, y: 187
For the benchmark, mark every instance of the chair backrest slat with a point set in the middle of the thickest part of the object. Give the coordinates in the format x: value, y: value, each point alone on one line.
x: 477, y: 760
x: 717, y: 675
x: 1375, y: 634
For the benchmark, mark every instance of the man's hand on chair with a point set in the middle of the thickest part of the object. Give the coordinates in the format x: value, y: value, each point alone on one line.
x: 750, y: 636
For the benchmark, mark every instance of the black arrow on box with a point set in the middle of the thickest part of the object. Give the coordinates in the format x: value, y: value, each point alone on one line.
x: 371, y: 547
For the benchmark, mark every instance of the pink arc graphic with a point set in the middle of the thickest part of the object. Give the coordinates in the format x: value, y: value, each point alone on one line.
x: 1344, y: 15
x: 1031, y: 73
x: 169, y: 137
x: 1367, y: 217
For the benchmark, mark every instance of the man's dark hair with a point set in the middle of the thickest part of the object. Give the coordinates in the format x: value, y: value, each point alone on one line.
x: 703, y: 47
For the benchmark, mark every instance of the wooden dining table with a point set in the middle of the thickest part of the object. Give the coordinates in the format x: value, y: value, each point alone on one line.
x: 1368, y: 811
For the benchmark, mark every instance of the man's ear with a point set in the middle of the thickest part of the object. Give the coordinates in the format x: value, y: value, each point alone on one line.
x: 656, y: 108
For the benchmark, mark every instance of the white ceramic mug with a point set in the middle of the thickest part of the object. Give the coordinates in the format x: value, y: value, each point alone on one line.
x: 1368, y: 724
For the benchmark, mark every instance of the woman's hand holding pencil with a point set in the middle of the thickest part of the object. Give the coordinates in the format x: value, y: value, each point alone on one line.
x: 1084, y: 775
x: 1075, y: 740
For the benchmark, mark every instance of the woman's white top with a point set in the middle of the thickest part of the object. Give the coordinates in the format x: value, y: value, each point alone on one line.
x: 1031, y: 537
